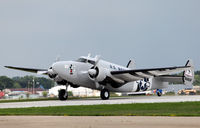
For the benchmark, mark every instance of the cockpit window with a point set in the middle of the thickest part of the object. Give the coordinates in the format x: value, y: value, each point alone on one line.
x: 82, y: 60
x: 91, y: 62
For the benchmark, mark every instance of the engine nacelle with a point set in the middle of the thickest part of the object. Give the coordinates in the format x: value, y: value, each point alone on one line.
x: 51, y: 74
x: 99, y: 74
x: 63, y: 82
x: 102, y: 73
x: 59, y: 80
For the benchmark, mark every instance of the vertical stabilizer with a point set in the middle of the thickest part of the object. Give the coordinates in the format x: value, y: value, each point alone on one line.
x: 188, y: 75
x: 131, y: 64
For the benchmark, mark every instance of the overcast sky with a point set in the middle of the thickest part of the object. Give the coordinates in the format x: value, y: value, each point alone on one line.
x: 155, y: 33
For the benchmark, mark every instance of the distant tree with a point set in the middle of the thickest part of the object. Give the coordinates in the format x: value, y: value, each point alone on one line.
x: 197, y: 73
x: 197, y: 80
x: 16, y: 85
x: 23, y: 81
x: 46, y: 83
x: 44, y: 94
x: 6, y: 82
x: 70, y: 93
x: 27, y: 95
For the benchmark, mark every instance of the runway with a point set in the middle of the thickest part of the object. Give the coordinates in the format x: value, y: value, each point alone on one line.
x: 98, y: 122
x: 98, y: 101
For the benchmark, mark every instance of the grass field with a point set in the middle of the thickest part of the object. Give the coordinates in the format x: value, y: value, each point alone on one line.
x: 150, y: 109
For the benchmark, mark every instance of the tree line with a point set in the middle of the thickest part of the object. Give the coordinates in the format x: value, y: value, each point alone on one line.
x: 197, y: 78
x: 25, y: 82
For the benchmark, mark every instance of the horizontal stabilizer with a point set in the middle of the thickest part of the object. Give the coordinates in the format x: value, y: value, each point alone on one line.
x: 131, y: 64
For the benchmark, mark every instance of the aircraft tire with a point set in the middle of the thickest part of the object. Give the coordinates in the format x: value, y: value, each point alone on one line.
x: 159, y: 94
x: 63, y: 95
x: 105, y: 94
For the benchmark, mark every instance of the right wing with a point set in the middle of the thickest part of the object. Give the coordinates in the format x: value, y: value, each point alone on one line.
x: 138, y: 74
x: 164, y: 74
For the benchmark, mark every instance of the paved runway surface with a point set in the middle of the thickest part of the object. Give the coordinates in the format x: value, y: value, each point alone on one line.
x: 98, y: 122
x: 98, y: 101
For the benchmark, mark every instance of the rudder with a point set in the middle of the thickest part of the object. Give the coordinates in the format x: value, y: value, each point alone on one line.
x: 188, y: 75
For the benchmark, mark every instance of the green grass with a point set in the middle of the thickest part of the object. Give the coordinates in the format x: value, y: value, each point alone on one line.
x: 150, y: 109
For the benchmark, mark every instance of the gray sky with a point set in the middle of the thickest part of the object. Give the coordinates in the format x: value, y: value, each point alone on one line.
x: 155, y: 33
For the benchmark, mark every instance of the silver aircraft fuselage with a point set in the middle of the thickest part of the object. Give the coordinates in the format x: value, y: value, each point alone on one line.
x: 76, y: 72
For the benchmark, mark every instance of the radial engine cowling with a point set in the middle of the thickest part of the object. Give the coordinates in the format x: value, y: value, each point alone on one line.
x: 51, y: 74
x: 98, y: 74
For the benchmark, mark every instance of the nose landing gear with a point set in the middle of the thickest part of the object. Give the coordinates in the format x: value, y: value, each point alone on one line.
x: 63, y: 94
x: 105, y: 94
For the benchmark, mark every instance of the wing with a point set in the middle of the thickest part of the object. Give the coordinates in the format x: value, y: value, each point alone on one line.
x: 138, y: 74
x: 118, y: 78
x: 32, y: 70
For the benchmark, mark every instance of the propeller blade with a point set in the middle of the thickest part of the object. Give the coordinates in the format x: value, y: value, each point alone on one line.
x: 97, y: 84
x: 89, y: 55
x: 57, y: 58
x: 42, y: 72
x: 97, y: 58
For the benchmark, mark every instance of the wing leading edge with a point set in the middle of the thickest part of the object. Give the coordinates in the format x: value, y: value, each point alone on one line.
x: 32, y: 70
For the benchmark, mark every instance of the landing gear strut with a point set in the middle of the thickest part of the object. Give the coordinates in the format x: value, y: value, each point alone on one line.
x: 159, y: 92
x: 105, y: 94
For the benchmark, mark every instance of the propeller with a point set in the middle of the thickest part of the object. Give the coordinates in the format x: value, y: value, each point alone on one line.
x: 94, y: 71
x: 50, y: 70
x: 58, y: 58
x: 97, y: 58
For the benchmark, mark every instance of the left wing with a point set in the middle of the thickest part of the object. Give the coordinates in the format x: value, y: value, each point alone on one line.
x: 32, y: 70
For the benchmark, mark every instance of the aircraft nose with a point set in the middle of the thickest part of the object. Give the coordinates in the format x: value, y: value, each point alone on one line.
x: 55, y: 67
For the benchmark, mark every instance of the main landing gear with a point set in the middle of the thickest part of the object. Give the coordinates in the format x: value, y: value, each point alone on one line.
x: 105, y: 94
x: 159, y: 92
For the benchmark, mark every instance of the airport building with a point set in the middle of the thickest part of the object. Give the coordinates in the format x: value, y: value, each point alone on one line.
x: 77, y: 92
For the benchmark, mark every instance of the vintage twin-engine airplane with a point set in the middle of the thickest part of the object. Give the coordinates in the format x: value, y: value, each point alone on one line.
x: 107, y: 77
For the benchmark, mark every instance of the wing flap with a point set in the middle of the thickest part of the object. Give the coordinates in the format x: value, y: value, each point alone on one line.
x: 172, y: 79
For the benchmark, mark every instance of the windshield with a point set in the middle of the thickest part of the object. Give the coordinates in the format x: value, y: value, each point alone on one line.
x: 83, y: 60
